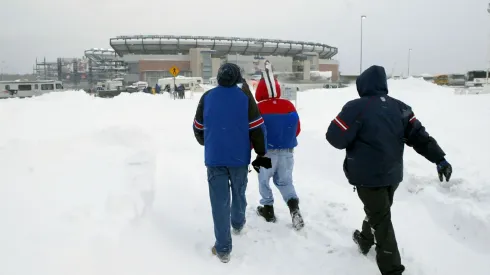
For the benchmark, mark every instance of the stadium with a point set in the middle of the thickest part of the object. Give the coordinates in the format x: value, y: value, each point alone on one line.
x: 150, y: 57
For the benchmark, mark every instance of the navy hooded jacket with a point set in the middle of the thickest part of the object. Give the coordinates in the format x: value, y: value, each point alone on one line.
x: 374, y: 130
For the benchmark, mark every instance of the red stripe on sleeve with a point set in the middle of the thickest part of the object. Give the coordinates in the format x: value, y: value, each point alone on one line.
x: 412, y: 119
x: 198, y: 125
x: 342, y: 125
x: 256, y: 123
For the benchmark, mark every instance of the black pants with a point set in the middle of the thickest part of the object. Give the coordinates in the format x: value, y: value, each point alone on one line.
x: 377, y: 204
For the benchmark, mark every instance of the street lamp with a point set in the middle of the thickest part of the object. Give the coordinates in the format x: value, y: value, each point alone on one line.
x: 360, y: 65
x: 488, y: 10
x: 1, y: 69
x: 409, y: 52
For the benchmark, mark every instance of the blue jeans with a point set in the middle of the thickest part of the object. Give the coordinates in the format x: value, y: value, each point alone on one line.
x: 281, y: 174
x: 220, y: 181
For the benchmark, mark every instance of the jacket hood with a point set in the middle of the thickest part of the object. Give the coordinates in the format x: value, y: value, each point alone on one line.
x: 268, y: 87
x: 263, y: 90
x: 372, y: 82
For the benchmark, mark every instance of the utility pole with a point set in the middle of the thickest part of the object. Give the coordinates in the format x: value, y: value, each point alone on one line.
x: 45, y: 70
x: 1, y: 69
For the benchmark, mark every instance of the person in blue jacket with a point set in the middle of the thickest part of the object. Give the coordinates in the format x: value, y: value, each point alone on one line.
x: 374, y: 130
x: 228, y: 123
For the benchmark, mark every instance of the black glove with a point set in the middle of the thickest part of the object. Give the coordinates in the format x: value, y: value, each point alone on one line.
x: 261, y: 161
x: 444, y: 169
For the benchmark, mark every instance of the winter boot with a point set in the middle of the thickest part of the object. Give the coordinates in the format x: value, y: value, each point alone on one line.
x: 223, y: 258
x: 267, y: 211
x: 297, y: 219
x: 363, y: 244
x: 236, y: 231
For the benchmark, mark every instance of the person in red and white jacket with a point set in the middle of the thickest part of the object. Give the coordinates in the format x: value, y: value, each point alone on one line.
x: 282, y: 127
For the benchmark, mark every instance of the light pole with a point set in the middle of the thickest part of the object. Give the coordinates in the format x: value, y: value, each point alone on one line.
x: 488, y: 10
x: 1, y: 69
x: 409, y: 53
x: 360, y: 65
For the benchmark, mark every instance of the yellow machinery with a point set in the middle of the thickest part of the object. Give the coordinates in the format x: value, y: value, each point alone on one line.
x: 441, y: 79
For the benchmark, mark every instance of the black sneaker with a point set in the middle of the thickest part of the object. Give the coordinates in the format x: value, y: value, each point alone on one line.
x: 267, y: 211
x: 363, y: 244
x: 223, y: 258
x: 296, y: 217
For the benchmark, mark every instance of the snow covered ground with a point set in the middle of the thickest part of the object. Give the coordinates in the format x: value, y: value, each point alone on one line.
x: 74, y: 170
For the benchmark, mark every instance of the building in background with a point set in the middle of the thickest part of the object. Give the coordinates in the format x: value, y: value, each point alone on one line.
x: 46, y: 70
x: 149, y: 58
x: 72, y: 71
x: 104, y: 64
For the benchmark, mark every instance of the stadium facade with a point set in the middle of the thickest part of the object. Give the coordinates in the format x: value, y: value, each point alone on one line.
x: 150, y: 57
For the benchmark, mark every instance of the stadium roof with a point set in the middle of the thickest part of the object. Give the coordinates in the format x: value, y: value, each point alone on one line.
x: 171, y: 44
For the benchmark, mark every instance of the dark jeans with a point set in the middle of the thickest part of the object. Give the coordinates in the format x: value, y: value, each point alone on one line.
x: 377, y: 206
x: 220, y: 181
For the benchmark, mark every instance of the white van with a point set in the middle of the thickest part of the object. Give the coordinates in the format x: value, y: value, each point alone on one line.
x: 190, y: 83
x: 9, y: 89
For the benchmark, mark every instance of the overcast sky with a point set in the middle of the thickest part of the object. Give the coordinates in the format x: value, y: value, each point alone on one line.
x: 446, y: 35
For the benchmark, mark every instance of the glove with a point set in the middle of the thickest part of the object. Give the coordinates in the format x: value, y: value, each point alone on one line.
x: 444, y: 169
x: 261, y: 161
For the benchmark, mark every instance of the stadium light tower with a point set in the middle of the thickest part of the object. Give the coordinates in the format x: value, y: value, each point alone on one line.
x: 360, y: 65
x: 409, y: 54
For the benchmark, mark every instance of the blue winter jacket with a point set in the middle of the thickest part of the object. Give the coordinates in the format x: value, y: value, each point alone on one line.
x: 228, y: 123
x: 374, y: 129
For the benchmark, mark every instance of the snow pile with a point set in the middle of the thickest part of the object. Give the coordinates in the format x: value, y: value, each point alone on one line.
x: 79, y: 173
x: 416, y: 84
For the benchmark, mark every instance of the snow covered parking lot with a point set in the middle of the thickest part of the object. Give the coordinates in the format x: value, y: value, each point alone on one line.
x: 77, y: 171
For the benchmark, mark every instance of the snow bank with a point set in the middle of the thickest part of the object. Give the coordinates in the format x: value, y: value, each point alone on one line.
x: 118, y: 186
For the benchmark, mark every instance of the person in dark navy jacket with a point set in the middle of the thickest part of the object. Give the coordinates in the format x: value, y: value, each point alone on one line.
x: 374, y: 130
x: 227, y: 122
x: 283, y: 126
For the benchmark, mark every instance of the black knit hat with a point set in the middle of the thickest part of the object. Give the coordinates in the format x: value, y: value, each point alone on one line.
x: 229, y: 75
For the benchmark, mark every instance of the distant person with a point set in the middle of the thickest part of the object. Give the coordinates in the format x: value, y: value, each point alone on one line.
x: 227, y: 122
x: 158, y: 89
x: 181, y: 89
x: 374, y: 129
x: 283, y: 126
